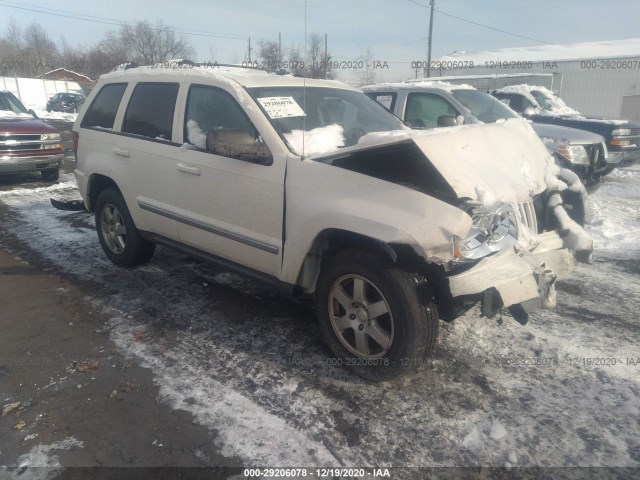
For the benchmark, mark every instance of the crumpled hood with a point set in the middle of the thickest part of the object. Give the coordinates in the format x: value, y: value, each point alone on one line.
x: 503, y: 162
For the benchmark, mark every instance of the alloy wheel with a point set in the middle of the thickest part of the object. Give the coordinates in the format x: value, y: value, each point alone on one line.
x: 113, y: 229
x: 360, y: 316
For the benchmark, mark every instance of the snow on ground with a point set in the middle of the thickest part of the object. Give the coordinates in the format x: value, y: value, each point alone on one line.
x: 564, y: 390
x: 38, y: 457
x: 42, y: 113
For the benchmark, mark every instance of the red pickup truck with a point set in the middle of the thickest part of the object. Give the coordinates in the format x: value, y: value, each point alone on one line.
x: 27, y: 144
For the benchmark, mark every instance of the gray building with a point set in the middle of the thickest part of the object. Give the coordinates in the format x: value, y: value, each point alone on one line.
x: 595, y: 78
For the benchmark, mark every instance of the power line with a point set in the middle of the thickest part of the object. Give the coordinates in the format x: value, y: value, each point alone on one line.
x: 109, y: 21
x: 491, y: 28
x: 479, y: 24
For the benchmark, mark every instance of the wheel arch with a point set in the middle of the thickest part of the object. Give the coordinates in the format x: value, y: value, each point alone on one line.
x: 331, y: 241
x: 97, y: 184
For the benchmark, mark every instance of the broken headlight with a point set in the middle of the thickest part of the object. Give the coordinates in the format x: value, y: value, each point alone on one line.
x: 575, y: 154
x: 493, y: 229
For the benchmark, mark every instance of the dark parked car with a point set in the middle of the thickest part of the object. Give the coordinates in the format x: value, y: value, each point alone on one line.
x: 543, y: 106
x: 27, y: 144
x: 65, y: 102
x: 440, y: 104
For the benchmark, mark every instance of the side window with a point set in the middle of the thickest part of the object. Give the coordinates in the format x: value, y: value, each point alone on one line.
x: 424, y: 109
x: 515, y: 102
x: 215, y: 122
x: 387, y: 100
x: 150, y: 110
x: 102, y: 112
x: 527, y: 104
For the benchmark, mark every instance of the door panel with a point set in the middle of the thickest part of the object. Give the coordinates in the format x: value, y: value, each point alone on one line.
x: 229, y: 207
x: 146, y: 143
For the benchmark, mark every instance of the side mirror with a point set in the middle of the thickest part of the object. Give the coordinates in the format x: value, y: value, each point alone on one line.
x: 529, y: 111
x: 238, y: 144
x: 460, y: 120
x: 447, y: 121
x: 33, y: 113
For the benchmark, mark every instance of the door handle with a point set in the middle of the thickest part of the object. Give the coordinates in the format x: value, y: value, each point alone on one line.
x: 189, y: 169
x: 121, y: 152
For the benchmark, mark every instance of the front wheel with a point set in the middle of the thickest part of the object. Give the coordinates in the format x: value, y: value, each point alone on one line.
x: 377, y: 319
x: 118, y: 235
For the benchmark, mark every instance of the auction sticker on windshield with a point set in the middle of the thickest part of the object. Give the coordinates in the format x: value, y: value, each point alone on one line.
x: 281, y: 107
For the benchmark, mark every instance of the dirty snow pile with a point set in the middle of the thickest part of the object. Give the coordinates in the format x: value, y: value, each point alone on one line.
x: 615, y: 215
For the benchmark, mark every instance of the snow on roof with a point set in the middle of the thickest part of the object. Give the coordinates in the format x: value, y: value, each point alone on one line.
x: 66, y: 70
x: 576, y: 51
x: 486, y: 75
x: 554, y: 105
x: 416, y: 84
x: 247, y: 77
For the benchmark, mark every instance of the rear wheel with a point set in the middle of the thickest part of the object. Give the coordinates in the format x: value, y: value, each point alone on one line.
x: 118, y: 235
x: 377, y: 319
x: 51, y: 175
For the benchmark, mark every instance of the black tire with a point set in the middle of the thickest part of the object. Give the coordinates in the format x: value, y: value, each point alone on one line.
x: 124, y: 247
x: 52, y: 175
x: 411, y: 323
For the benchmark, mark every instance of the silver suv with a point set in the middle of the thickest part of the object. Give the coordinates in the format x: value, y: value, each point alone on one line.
x: 318, y: 190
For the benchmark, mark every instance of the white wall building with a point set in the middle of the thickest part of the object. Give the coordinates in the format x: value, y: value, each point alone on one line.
x: 595, y: 78
x: 34, y: 92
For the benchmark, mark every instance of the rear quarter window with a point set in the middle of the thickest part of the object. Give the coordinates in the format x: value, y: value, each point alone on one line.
x: 103, y: 109
x: 386, y: 99
x: 150, y: 110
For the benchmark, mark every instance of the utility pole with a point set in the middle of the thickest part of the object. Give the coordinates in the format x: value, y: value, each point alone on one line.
x: 279, y: 50
x: 325, y: 56
x: 430, y: 34
x: 249, y: 52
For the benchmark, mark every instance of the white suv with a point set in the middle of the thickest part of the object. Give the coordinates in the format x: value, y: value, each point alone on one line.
x: 317, y: 189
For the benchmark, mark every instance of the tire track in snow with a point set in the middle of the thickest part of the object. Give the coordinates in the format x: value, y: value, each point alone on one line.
x: 221, y: 348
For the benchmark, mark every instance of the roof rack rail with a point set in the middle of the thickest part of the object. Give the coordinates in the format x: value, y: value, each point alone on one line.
x: 186, y: 62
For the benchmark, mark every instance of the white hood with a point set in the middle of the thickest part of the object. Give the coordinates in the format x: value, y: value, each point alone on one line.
x: 505, y: 160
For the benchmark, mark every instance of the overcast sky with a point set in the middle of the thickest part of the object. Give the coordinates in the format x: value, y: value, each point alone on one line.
x: 394, y: 30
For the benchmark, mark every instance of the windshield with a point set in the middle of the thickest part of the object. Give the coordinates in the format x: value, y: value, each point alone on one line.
x: 9, y: 102
x: 543, y: 100
x: 317, y: 120
x: 483, y: 106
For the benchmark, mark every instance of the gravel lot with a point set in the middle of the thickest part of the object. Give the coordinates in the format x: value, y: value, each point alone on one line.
x: 249, y: 366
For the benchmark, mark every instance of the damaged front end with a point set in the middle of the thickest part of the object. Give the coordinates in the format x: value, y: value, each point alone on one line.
x: 508, y: 262
x: 498, y: 174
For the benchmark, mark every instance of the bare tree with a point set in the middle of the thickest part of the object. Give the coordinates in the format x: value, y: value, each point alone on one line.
x: 318, y: 63
x: 40, y: 50
x: 270, y: 55
x: 296, y: 61
x: 29, y: 52
x: 367, y: 76
x: 145, y: 44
